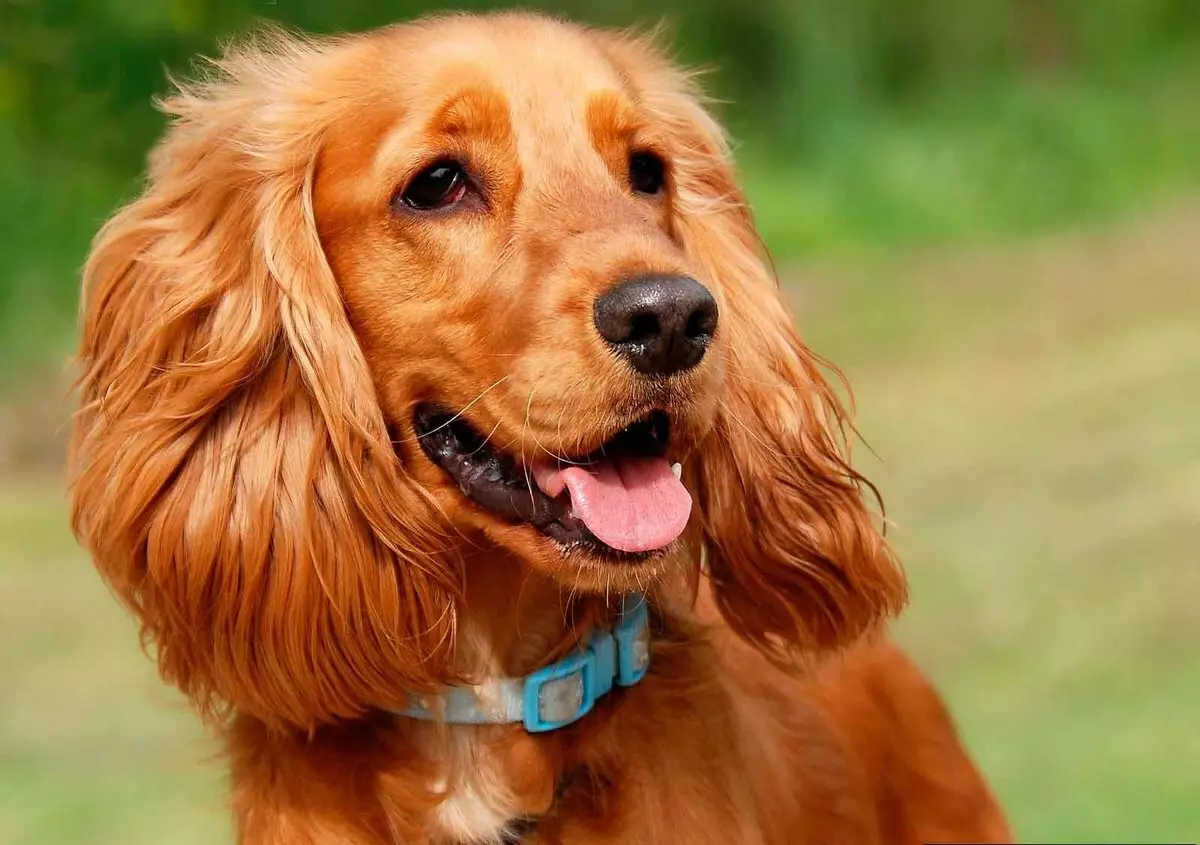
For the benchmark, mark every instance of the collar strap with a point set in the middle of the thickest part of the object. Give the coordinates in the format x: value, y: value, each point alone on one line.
x: 556, y: 695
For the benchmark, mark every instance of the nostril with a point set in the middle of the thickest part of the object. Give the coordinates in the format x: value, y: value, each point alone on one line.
x: 701, y: 324
x: 642, y: 327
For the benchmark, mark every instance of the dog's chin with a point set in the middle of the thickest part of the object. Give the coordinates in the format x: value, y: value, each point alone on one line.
x: 533, y: 513
x: 579, y: 569
x: 588, y: 571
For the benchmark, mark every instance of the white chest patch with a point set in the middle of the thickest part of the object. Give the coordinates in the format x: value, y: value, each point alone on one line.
x: 477, y: 808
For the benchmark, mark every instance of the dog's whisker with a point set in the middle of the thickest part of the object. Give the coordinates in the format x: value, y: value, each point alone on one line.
x: 570, y: 602
x: 773, y: 384
x: 524, y: 463
x: 484, y: 444
x: 751, y: 432
x: 558, y: 425
x: 456, y: 416
x: 555, y: 455
x: 520, y: 595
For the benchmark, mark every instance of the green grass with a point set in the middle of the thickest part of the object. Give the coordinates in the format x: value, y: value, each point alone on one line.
x: 93, y: 748
x: 1034, y: 407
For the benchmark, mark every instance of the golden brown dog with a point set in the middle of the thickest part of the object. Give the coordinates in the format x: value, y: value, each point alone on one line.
x: 386, y: 375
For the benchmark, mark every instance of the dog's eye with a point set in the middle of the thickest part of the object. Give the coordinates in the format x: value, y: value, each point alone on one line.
x: 437, y: 186
x: 647, y: 173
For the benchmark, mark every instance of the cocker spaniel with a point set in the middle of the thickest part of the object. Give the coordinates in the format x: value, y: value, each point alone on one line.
x: 447, y: 433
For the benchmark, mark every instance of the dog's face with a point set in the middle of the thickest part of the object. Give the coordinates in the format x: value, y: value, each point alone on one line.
x: 467, y: 285
x: 505, y: 231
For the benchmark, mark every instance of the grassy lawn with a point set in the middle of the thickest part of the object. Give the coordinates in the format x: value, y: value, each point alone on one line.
x: 94, y: 749
x: 1034, y: 412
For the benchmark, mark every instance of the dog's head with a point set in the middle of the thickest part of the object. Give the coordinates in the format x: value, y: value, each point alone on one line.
x: 466, y: 283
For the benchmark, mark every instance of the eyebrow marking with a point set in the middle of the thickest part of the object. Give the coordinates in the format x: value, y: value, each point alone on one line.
x: 611, y: 119
x: 477, y: 110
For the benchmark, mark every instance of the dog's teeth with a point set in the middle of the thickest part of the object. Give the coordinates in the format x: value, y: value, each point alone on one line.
x: 677, y: 469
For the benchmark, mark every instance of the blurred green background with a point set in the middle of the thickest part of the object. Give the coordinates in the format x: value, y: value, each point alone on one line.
x: 988, y: 213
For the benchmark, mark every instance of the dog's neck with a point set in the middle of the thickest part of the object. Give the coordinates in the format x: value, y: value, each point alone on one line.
x: 516, y: 619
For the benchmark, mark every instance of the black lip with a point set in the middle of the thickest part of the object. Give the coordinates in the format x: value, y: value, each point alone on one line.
x: 493, y: 480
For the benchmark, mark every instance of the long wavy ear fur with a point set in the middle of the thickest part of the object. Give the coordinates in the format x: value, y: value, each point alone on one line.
x: 233, y: 476
x: 794, y: 554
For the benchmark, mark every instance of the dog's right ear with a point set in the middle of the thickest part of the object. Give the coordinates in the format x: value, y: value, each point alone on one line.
x: 233, y: 477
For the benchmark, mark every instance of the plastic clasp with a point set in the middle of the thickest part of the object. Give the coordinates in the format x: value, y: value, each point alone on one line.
x: 561, y: 693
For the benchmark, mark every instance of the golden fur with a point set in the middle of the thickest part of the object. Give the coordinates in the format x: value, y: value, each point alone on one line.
x: 258, y: 327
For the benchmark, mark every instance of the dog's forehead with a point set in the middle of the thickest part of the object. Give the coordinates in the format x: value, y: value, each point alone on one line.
x: 546, y: 75
x: 520, y: 53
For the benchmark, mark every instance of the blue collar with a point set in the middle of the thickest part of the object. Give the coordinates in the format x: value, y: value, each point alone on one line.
x: 556, y: 695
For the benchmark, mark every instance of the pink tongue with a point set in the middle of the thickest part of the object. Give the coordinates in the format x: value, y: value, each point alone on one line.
x: 630, y: 504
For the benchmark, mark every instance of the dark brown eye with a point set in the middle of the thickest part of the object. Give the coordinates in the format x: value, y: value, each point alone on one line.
x: 437, y: 186
x: 647, y: 173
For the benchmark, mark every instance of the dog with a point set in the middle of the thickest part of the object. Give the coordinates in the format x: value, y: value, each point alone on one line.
x: 444, y: 428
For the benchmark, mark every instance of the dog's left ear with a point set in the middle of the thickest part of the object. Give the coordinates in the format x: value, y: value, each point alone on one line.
x: 795, y: 556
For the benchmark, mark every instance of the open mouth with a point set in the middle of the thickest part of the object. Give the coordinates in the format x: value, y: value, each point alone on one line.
x: 624, y: 500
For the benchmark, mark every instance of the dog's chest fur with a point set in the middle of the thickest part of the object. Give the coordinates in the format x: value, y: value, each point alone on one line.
x: 478, y: 806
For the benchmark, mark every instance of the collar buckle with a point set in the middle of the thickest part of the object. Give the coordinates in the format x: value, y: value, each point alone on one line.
x: 561, y: 693
x: 564, y: 692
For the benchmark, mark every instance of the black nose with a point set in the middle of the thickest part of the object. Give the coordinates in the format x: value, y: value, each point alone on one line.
x: 660, y: 324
